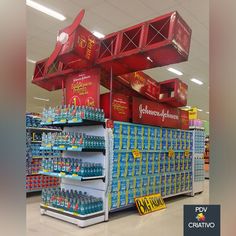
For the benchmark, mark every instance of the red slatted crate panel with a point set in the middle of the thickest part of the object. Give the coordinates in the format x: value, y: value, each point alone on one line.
x: 173, y: 92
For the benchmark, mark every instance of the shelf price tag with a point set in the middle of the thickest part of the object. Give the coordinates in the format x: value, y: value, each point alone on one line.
x: 136, y: 153
x: 186, y: 153
x: 63, y: 120
x: 149, y: 203
x: 62, y: 146
x: 171, y: 153
x: 62, y: 173
x: 75, y: 175
x: 74, y: 147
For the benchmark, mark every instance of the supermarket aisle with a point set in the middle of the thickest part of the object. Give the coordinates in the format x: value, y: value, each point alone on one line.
x: 166, y: 222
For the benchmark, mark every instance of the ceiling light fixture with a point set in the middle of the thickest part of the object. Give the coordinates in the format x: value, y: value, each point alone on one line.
x: 149, y: 59
x: 199, y: 109
x: 98, y: 34
x: 196, y: 81
x: 31, y: 61
x: 177, y: 72
x: 42, y: 99
x: 45, y: 10
x: 207, y: 112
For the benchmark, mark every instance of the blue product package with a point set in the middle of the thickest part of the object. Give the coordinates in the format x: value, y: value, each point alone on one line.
x: 130, y: 169
x: 163, y: 144
x: 139, y: 131
x: 115, y: 157
x: 158, y: 144
x: 168, y: 189
x: 162, y: 167
x: 158, y: 133
x: 122, y: 199
x: 164, y: 133
x: 186, y: 164
x: 138, y: 182
x: 137, y: 193
x: 122, y: 184
x: 163, y: 156
x: 145, y: 181
x: 139, y: 143
x: 187, y: 177
x: 114, y: 200
x: 174, y: 134
x: 152, y: 132
x: 137, y: 169
x: 152, y: 144
x: 168, y: 178
x: 157, y: 189
x: 156, y: 156
x: 150, y: 157
x: 145, y: 144
x: 114, y: 185
x: 132, y: 143
x: 132, y: 131
x: 179, y: 144
x: 169, y: 144
x: 167, y: 166
x: 125, y: 129
x: 151, y: 190
x: 174, y: 144
x: 124, y: 143
x: 173, y: 190
x: 182, y: 177
x: 131, y: 183
x: 145, y: 131
x: 151, y: 180
x: 143, y: 170
x: 163, y: 192
x: 150, y: 168
x: 172, y: 165
x: 123, y: 157
x: 117, y: 143
x: 117, y: 128
x: 131, y: 196
x: 144, y: 191
x: 169, y: 133
x: 183, y: 134
x: 173, y: 178
x: 178, y: 134
x: 155, y: 168
x: 183, y: 144
x: 130, y: 158
x: 122, y: 170
x: 163, y: 179
x: 144, y: 156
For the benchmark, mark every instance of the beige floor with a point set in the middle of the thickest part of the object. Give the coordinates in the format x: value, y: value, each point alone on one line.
x: 168, y: 222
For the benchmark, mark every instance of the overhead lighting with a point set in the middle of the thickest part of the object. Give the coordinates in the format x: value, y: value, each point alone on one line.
x: 42, y: 99
x: 207, y: 112
x: 199, y: 109
x: 98, y: 34
x: 188, y: 107
x: 177, y: 72
x: 149, y: 59
x: 45, y: 10
x: 31, y: 61
x: 196, y: 81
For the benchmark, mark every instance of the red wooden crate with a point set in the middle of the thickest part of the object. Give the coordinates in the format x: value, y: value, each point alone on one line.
x: 80, y: 51
x: 173, y: 92
x: 167, y: 39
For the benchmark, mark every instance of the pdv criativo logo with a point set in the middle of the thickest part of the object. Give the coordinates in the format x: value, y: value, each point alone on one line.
x: 201, y: 219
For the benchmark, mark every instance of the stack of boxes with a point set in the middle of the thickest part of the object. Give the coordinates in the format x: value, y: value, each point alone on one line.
x: 155, y: 171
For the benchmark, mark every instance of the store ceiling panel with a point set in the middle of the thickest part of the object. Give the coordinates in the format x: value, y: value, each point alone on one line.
x: 108, y: 16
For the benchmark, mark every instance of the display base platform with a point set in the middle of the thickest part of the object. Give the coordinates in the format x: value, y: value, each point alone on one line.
x: 79, y: 220
x: 198, y: 187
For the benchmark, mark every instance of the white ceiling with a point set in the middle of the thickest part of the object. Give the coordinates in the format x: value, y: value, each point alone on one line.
x: 107, y: 16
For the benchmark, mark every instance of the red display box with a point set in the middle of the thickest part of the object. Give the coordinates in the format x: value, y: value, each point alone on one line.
x: 80, y: 50
x: 167, y: 39
x: 158, y: 114
x: 83, y: 89
x: 173, y: 92
x: 115, y: 106
x: 141, y: 83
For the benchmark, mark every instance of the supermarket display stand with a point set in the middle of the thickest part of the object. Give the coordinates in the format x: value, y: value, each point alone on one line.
x: 96, y: 186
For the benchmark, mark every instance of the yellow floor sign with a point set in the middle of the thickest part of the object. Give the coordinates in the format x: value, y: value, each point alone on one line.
x: 149, y: 203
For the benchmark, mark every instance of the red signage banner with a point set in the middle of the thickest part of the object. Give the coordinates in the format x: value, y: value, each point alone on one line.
x: 83, y: 89
x: 153, y: 113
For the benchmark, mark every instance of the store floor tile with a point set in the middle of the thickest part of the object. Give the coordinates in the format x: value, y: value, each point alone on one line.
x: 126, y: 223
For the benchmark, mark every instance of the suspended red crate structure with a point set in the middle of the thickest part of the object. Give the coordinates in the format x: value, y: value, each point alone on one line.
x: 158, y: 42
x: 173, y: 92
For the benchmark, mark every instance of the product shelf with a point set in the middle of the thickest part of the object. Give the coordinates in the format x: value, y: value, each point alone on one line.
x: 43, y: 129
x: 36, y: 141
x: 74, y: 218
x: 33, y: 190
x: 79, y: 149
x: 41, y: 157
x: 74, y: 177
x: 82, y: 122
